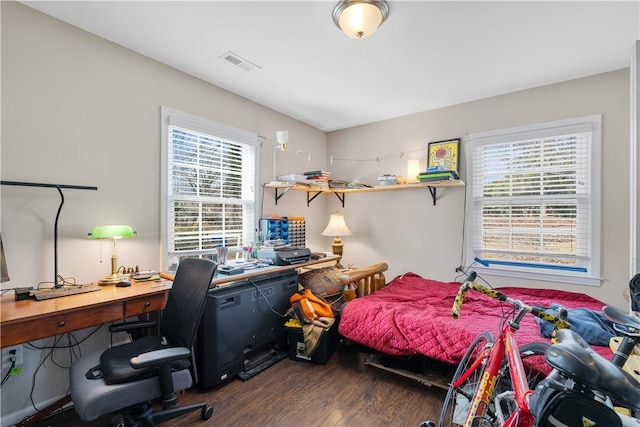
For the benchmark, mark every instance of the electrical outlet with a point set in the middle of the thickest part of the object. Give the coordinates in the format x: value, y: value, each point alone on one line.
x: 10, y: 353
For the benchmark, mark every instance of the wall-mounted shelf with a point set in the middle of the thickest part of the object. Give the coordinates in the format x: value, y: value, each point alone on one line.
x: 283, y: 188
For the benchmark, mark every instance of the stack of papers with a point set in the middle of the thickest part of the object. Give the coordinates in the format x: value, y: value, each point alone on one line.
x: 318, y: 178
x: 145, y: 276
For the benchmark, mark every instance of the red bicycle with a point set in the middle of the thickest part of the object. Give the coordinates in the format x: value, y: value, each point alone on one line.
x: 490, y: 387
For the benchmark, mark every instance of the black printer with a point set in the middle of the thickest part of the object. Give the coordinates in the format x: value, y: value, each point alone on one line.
x: 288, y: 256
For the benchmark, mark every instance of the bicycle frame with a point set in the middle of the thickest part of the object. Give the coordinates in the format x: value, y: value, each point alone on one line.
x: 474, y: 385
x: 491, y: 359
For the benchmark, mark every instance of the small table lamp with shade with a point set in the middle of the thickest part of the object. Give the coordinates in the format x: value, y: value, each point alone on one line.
x: 337, y: 228
x: 114, y: 232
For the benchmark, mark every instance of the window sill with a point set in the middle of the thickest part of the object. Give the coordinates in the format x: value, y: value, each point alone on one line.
x: 556, y: 277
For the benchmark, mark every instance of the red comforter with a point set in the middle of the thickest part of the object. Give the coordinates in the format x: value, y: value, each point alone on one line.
x: 412, y: 315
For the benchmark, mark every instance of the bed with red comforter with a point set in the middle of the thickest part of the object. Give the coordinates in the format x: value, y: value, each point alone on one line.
x: 412, y: 315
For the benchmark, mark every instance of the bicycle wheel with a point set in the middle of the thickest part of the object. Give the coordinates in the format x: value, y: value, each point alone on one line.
x: 535, y: 365
x: 456, y: 403
x: 536, y: 369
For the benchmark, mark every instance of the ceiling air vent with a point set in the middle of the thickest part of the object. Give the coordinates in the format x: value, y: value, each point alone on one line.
x: 235, y: 59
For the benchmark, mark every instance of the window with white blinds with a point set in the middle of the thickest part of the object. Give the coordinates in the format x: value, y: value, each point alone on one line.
x: 534, y: 201
x: 209, y: 186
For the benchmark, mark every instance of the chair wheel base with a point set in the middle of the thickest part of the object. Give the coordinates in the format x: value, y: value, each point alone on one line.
x: 119, y: 420
x: 206, y: 413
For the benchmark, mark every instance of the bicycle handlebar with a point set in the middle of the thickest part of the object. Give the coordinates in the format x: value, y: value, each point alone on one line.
x: 464, y: 288
x: 559, y: 321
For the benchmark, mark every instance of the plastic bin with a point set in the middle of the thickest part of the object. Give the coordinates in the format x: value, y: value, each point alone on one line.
x: 323, y: 352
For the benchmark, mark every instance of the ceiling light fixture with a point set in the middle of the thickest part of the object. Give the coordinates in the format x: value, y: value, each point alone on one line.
x: 359, y: 19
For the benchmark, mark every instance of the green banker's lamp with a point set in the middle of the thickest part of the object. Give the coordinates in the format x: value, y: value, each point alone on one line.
x: 114, y: 232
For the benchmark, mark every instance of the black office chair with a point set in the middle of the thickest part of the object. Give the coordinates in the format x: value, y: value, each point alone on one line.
x: 129, y: 377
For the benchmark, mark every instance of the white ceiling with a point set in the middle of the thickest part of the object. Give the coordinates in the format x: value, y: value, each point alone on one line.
x: 426, y: 55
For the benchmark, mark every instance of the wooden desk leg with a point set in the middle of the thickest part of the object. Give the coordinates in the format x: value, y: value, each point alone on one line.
x: 57, y: 405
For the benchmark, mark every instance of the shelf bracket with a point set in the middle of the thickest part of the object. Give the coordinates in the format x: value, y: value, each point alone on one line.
x: 286, y: 190
x: 310, y: 199
x: 432, y: 190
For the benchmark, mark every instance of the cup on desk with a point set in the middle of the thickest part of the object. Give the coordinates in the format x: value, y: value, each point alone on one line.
x: 221, y: 253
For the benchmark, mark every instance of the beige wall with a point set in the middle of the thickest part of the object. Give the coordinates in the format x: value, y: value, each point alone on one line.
x: 404, y: 229
x: 79, y: 110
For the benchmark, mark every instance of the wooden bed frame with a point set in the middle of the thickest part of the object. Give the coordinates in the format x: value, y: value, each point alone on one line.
x: 433, y: 373
x: 366, y: 280
x: 406, y: 356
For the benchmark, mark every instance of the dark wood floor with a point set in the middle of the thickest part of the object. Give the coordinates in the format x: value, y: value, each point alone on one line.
x: 345, y: 392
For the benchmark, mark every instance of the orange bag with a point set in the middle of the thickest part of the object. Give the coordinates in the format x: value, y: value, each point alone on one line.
x: 308, y: 307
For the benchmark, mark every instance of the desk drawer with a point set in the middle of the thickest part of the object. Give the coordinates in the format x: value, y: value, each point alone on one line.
x: 60, y: 324
x: 145, y: 304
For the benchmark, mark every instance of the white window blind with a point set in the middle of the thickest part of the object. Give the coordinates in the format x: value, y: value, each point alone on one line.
x: 534, y: 200
x: 210, y: 186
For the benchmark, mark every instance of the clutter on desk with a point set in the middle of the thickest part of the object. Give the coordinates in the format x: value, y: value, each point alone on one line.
x: 145, y: 276
x: 229, y: 270
x: 282, y: 240
x: 290, y: 229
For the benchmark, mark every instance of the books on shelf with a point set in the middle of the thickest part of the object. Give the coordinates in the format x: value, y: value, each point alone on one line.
x: 338, y: 183
x: 438, y: 176
x: 317, y: 173
x: 317, y: 183
x: 317, y: 178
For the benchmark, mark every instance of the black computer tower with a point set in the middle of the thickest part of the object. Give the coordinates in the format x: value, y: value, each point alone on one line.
x: 243, y: 327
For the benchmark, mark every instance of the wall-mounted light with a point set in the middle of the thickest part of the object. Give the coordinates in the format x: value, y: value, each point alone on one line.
x: 115, y: 232
x: 359, y: 19
x: 282, y: 136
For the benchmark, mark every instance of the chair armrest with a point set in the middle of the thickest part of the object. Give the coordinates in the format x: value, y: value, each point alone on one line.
x: 159, y: 357
x: 367, y: 280
x: 134, y: 325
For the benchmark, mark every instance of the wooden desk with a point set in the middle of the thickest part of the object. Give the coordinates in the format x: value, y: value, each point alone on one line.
x: 225, y: 279
x: 29, y: 320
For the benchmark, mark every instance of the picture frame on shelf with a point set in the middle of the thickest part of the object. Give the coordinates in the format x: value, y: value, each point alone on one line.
x: 443, y: 155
